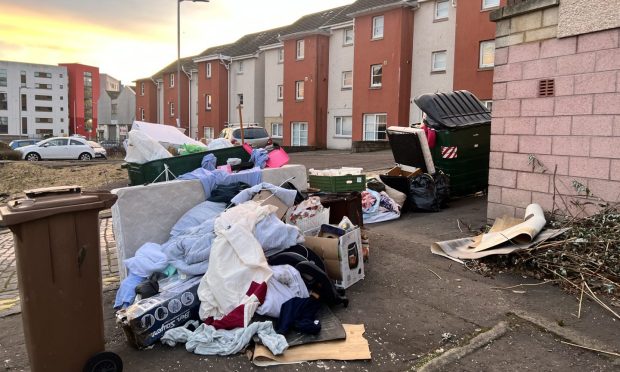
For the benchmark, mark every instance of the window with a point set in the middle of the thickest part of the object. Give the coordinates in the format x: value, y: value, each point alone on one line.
x: 208, y: 103
x: 4, y: 125
x: 344, y: 126
x: 488, y: 104
x: 487, y: 4
x: 299, y: 134
x: 300, y: 49
x: 22, y: 77
x: 3, y: 102
x: 442, y: 8
x: 348, y: 36
x: 276, y: 130
x: 208, y: 133
x: 60, y: 76
x: 43, y: 120
x: 42, y: 109
x: 44, y: 132
x: 24, y: 99
x: 24, y: 125
x: 171, y: 108
x: 114, y: 108
x: 438, y: 61
x: 240, y: 67
x: 39, y: 97
x: 240, y: 99
x: 376, y: 76
x: 43, y: 86
x: 208, y: 72
x: 142, y: 114
x: 171, y: 81
x: 2, y: 77
x: 347, y: 79
x: 377, y: 27
x: 299, y: 90
x: 142, y: 88
x: 75, y: 143
x: 374, y: 127
x: 280, y: 92
x: 487, y: 54
x: 61, y: 86
x: 39, y: 74
x: 280, y: 55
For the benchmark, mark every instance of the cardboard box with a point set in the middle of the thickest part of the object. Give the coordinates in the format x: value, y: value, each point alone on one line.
x: 266, y: 197
x: 342, y: 255
x: 404, y: 171
x: 146, y: 321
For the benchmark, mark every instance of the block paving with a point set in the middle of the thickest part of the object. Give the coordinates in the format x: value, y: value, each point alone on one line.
x: 9, y: 290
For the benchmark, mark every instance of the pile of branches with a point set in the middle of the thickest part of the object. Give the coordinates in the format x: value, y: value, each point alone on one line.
x: 585, y: 258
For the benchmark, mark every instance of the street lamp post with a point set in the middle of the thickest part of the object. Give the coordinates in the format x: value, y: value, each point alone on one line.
x: 178, y: 108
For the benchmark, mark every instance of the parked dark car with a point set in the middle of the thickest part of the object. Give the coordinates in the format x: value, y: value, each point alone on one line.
x: 21, y: 143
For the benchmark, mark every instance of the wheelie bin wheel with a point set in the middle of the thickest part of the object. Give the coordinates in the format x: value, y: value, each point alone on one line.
x: 104, y: 362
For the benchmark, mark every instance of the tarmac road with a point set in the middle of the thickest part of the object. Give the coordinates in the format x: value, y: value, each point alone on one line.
x: 408, y: 300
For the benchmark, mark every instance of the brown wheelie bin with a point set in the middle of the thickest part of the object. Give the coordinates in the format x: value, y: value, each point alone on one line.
x: 56, y: 235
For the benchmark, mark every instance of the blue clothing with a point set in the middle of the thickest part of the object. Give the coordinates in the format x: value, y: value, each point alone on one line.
x: 259, y: 157
x: 210, y: 179
x: 208, y: 162
x: 127, y: 291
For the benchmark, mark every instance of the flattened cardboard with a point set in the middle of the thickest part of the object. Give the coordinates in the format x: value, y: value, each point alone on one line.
x: 343, y: 257
x: 266, y: 198
x: 404, y: 171
x: 354, y: 347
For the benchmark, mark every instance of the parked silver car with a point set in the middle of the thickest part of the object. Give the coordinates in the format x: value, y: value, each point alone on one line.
x: 255, y: 136
x: 58, y: 148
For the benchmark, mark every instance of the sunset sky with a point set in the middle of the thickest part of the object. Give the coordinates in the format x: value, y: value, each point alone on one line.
x: 131, y: 39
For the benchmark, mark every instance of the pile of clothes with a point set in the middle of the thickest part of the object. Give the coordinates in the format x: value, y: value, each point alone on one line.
x: 380, y: 202
x: 248, y: 263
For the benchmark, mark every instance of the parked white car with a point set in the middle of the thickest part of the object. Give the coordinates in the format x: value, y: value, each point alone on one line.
x: 58, y: 148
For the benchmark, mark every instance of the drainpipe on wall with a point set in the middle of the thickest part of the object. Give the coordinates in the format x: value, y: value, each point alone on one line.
x: 156, y: 100
x: 189, y: 101
x: 227, y: 67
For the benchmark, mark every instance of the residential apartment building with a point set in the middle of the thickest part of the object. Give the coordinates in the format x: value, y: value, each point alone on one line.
x: 83, y: 97
x: 33, y: 100
x: 340, y: 76
x: 116, y: 109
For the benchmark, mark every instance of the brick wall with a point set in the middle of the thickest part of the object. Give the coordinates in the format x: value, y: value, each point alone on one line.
x: 577, y: 130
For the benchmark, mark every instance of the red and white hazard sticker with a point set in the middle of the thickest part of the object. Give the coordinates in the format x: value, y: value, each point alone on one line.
x: 449, y: 152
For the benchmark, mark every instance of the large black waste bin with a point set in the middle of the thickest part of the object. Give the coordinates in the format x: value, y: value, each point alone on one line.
x: 56, y: 235
x: 463, y: 138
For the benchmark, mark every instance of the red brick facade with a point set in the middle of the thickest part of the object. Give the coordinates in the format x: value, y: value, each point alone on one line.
x: 146, y: 100
x: 171, y: 96
x: 78, y: 114
x: 217, y: 86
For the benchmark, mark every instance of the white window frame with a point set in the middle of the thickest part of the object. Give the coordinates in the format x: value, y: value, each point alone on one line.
x: 208, y: 132
x: 240, y: 99
x: 373, y: 74
x: 171, y: 80
x: 301, y: 49
x: 481, y: 64
x: 142, y: 88
x: 490, y: 4
x: 377, y: 30
x: 277, y: 130
x: 434, y: 55
x: 339, y: 121
x: 438, y: 17
x: 488, y: 104
x: 240, y: 67
x: 171, y: 109
x: 366, y: 122
x: 298, y: 141
x: 345, y: 40
x: 281, y: 55
x: 141, y: 114
x: 208, y: 102
x: 208, y: 71
x: 344, y: 79
x: 280, y: 92
x: 299, y: 93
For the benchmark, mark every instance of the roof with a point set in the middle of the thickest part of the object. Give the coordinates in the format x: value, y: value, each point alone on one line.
x: 362, y: 6
x: 316, y: 21
x: 187, y: 64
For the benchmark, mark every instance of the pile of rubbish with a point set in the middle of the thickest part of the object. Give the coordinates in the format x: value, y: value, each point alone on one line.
x: 585, y: 257
x: 254, y: 266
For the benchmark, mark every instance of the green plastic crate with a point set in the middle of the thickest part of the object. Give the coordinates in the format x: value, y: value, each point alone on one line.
x: 469, y: 170
x: 141, y: 174
x: 338, y: 183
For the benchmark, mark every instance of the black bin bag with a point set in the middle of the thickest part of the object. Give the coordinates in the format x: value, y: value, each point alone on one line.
x: 429, y: 193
